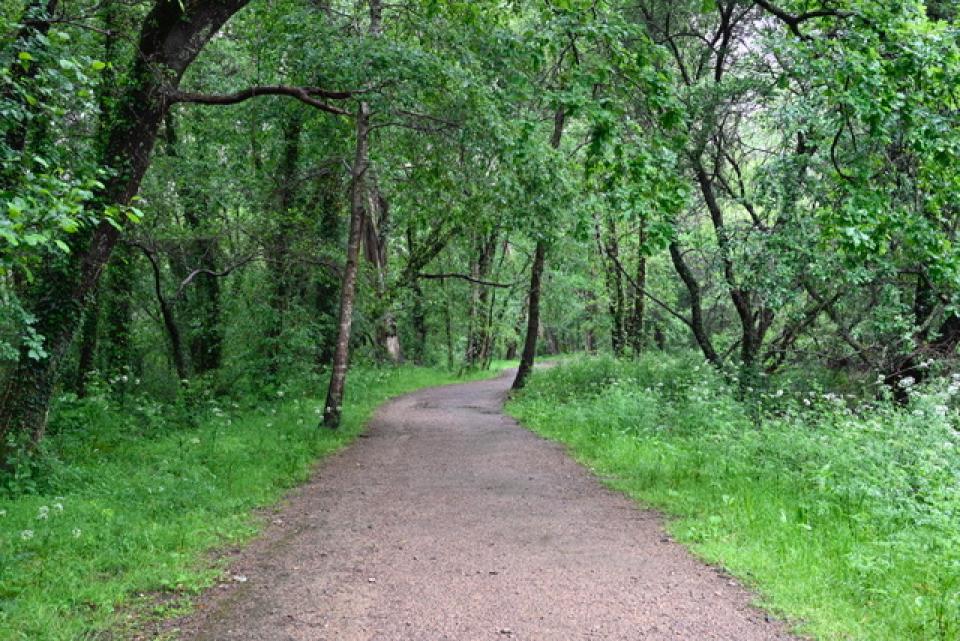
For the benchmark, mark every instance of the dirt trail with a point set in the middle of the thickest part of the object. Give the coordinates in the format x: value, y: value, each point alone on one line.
x: 451, y: 522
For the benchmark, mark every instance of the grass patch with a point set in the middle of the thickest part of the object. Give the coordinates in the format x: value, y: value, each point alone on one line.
x: 847, y: 520
x: 133, y: 497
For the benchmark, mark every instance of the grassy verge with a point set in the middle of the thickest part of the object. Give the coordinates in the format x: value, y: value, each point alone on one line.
x: 846, y: 520
x: 138, y: 495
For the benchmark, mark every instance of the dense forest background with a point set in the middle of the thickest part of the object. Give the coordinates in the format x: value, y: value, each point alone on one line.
x: 194, y: 200
x: 206, y: 202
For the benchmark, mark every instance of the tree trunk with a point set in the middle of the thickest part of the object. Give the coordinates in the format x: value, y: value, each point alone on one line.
x: 418, y: 318
x: 326, y: 288
x: 118, y: 315
x: 533, y: 318
x: 478, y: 326
x: 609, y: 249
x: 696, y: 306
x: 170, y: 39
x: 636, y: 324
x: 752, y: 324
x: 376, y: 233
x: 536, y: 274
x: 89, y: 333
x: 341, y: 356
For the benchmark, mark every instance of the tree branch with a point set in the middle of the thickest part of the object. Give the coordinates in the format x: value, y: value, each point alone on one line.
x: 471, y: 279
x: 307, y: 95
x: 213, y: 274
x: 793, y: 22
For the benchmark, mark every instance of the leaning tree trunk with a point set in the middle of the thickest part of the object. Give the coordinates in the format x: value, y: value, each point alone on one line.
x: 341, y: 355
x: 636, y: 325
x: 697, y: 323
x: 172, y: 35
x: 533, y: 318
x: 358, y: 193
x: 536, y: 275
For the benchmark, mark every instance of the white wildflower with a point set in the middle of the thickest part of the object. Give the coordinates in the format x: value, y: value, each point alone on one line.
x: 907, y: 381
x: 76, y: 533
x: 58, y: 507
x: 941, y: 410
x: 280, y: 393
x: 26, y: 535
x: 43, y: 513
x: 195, y: 440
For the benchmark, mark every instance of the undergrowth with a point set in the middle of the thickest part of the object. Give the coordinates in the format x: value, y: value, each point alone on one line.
x: 845, y: 515
x: 129, y: 497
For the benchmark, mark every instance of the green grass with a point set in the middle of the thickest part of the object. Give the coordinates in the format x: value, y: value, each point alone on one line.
x: 847, y: 521
x: 137, y: 498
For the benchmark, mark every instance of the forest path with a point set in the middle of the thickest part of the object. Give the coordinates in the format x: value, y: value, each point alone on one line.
x: 451, y: 522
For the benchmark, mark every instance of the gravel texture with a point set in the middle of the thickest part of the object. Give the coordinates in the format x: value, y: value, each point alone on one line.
x: 448, y: 521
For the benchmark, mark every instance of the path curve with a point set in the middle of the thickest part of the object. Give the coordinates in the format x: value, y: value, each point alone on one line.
x: 450, y: 522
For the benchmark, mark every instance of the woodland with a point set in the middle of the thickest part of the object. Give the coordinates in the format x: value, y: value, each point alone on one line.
x: 229, y: 229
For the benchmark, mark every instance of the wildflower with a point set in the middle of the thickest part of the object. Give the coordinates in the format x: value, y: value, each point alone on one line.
x: 280, y: 393
x: 907, y: 382
x: 58, y: 507
x: 195, y: 440
x: 26, y: 535
x: 76, y: 533
x: 317, y: 411
x: 779, y: 393
x: 124, y: 378
x: 806, y: 402
x: 43, y: 512
x: 3, y: 513
x: 941, y: 410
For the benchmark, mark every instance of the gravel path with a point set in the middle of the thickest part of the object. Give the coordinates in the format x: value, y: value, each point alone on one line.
x: 448, y: 521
